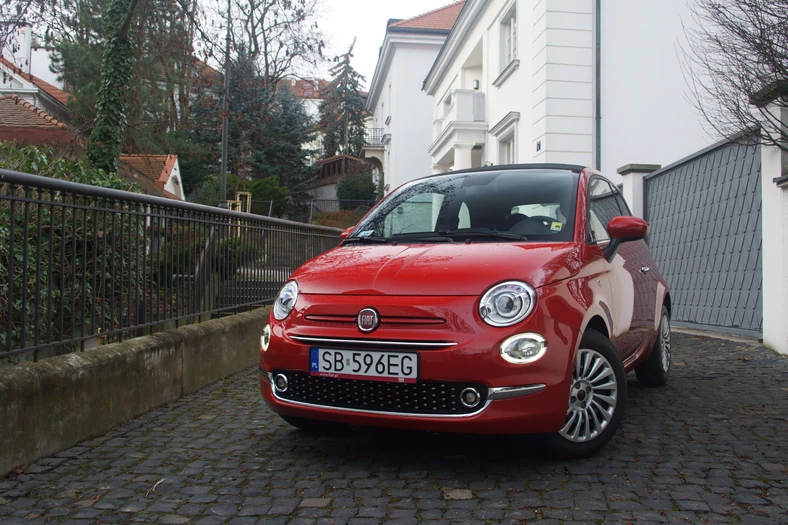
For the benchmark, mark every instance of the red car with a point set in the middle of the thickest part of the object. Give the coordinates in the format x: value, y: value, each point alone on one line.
x: 511, y: 299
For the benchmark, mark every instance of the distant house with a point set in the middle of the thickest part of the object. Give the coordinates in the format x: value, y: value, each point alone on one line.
x: 39, y: 93
x: 401, y: 128
x: 161, y: 170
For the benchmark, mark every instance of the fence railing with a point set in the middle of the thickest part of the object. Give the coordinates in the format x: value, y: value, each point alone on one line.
x: 82, y: 265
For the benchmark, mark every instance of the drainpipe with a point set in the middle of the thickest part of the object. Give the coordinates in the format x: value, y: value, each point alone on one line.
x: 598, y: 85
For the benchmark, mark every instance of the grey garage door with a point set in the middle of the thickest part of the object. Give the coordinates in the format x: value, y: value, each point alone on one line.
x: 705, y: 215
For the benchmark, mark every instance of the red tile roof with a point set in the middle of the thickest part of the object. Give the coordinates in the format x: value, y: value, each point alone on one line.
x: 305, y: 88
x: 152, y: 166
x: 53, y: 91
x: 16, y: 112
x: 442, y: 18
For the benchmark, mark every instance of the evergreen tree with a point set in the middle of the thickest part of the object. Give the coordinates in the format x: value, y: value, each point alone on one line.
x: 267, y: 135
x: 342, y: 111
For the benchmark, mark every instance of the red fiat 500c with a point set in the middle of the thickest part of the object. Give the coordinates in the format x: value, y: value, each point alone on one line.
x: 498, y: 300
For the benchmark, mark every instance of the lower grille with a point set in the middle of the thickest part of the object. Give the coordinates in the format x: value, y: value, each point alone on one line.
x: 427, y: 398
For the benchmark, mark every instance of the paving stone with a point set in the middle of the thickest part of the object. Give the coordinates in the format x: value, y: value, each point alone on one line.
x: 708, y: 447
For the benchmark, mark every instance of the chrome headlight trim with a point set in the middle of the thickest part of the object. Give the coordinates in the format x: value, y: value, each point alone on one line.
x: 537, y: 346
x: 507, y: 303
x: 286, y: 300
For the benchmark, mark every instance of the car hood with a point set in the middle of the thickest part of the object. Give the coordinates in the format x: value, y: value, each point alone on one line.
x: 434, y: 269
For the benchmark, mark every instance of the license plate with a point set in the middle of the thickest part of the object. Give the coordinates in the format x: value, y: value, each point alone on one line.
x: 398, y: 367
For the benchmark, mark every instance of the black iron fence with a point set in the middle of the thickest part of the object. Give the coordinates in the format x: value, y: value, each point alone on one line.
x: 82, y: 266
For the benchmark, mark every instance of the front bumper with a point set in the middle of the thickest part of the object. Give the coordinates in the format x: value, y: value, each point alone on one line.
x: 528, y: 398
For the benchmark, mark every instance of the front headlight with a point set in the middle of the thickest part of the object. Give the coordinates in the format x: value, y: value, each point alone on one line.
x: 507, y: 303
x: 286, y: 300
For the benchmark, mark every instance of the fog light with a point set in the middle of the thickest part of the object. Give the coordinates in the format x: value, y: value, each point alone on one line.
x: 470, y: 397
x: 280, y: 382
x: 523, y: 348
x: 265, y: 339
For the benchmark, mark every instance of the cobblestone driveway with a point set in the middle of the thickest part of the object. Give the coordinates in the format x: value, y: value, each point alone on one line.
x: 711, y: 447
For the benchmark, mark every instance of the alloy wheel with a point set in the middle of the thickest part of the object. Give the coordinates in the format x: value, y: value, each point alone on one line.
x: 593, y: 397
x: 664, y: 328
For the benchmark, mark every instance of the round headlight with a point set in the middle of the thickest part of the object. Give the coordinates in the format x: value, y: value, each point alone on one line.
x: 286, y: 300
x: 507, y: 303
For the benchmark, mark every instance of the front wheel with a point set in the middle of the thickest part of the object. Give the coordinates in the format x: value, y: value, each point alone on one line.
x: 597, y: 397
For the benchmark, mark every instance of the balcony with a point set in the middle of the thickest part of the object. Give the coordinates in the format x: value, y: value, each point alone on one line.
x: 465, y: 106
x: 374, y: 137
x: 463, y: 124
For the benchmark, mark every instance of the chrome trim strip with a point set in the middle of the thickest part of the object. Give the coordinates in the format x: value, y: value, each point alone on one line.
x: 381, y: 412
x: 266, y: 376
x: 509, y: 392
x: 308, y: 339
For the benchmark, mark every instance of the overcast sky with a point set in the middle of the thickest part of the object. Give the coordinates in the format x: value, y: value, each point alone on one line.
x: 342, y: 20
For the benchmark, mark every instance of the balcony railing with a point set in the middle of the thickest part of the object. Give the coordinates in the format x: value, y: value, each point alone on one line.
x: 466, y: 106
x: 373, y: 136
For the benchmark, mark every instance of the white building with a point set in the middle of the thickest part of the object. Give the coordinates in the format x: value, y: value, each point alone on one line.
x: 566, y: 81
x: 401, y: 128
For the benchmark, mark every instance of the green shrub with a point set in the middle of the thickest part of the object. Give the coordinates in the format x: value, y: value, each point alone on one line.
x: 232, y: 253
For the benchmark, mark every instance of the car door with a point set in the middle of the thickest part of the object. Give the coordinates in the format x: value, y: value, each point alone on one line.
x: 633, y: 285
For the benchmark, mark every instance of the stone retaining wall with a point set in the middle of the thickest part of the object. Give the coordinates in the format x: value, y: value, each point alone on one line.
x: 49, y: 406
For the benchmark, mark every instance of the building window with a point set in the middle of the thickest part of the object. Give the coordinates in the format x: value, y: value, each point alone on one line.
x: 509, y: 37
x: 506, y: 149
x: 505, y: 133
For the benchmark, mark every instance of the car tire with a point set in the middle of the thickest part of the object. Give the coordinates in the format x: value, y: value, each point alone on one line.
x: 313, y: 426
x: 654, y: 370
x: 597, y: 398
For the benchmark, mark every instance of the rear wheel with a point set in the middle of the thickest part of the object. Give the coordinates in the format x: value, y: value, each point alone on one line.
x: 654, y: 370
x: 313, y: 426
x: 597, y: 397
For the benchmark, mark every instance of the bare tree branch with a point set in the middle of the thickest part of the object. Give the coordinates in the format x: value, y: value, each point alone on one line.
x: 736, y: 51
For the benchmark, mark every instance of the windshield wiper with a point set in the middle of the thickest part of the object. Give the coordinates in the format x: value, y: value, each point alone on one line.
x: 423, y: 236
x: 367, y: 240
x: 489, y: 234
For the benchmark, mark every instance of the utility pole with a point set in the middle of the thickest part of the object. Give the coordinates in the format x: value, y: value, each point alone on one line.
x: 345, y: 141
x: 225, y: 110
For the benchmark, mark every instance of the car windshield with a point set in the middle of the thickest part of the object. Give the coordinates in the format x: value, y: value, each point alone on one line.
x: 516, y: 205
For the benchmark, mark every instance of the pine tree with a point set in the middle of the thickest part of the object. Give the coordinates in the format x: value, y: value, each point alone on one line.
x: 342, y: 111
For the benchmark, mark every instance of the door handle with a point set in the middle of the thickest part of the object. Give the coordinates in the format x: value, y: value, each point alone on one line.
x: 644, y: 269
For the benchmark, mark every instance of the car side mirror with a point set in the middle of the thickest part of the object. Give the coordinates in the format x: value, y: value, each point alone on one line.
x: 345, y: 234
x: 624, y: 229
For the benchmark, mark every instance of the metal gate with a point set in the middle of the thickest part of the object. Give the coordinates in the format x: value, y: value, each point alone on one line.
x: 705, y: 215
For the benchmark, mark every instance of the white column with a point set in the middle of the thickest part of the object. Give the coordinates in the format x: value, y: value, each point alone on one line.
x: 632, y: 175
x: 462, y: 156
x: 438, y: 168
x: 774, y: 248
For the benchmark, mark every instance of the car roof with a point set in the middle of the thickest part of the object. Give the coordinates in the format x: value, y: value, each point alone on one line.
x: 575, y: 168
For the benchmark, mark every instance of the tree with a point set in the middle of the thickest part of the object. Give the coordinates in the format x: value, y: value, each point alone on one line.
x: 268, y: 132
x: 356, y: 187
x: 737, y: 54
x: 342, y: 111
x: 107, y: 136
x: 280, y: 36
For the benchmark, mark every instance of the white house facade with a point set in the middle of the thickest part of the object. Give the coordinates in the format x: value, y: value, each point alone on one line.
x: 562, y: 81
x: 401, y: 124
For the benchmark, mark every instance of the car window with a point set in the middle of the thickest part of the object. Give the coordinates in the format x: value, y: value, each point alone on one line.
x: 414, y: 214
x: 535, y: 204
x: 602, y: 206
